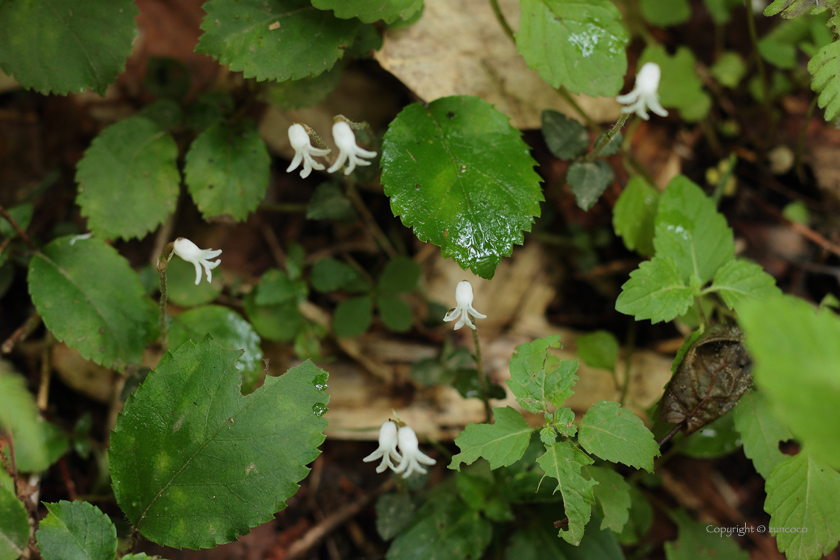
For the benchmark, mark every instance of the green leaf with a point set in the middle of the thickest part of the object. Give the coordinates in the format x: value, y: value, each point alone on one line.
x: 230, y: 330
x: 720, y: 10
x: 400, y: 276
x: 209, y: 108
x: 227, y: 170
x: 790, y: 9
x: 740, y: 280
x: 760, y: 432
x: 634, y: 215
x: 443, y: 529
x: 538, y: 377
x: 664, y: 13
x: 612, y: 146
x: 534, y: 543
x: 165, y: 113
x: 616, y: 434
x: 436, y: 163
x: 797, y: 364
x: 566, y: 138
x: 613, y: 497
x: 353, y: 316
x: 729, y: 69
x: 14, y: 524
x: 290, y: 95
x: 826, y: 79
x: 501, y: 443
x: 655, y: 291
x: 395, y: 313
x: 295, y: 257
x: 329, y: 275
x: 188, y: 446
x: 167, y: 78
x: 697, y: 540
x: 692, y: 232
x: 128, y: 179
x: 329, y: 202
x: 276, y: 287
x: 563, y: 462
x: 280, y: 322
x: 59, y: 46
x: 640, y: 520
x: 681, y: 87
x: 578, y: 44
x: 588, y: 180
x: 804, y: 492
x: 598, y: 349
x: 21, y: 214
x: 796, y: 211
x: 92, y: 301
x: 716, y: 439
x: 274, y: 39
x: 393, y: 513
x: 370, y: 11
x: 478, y: 488
x: 76, y: 531
x: 181, y: 286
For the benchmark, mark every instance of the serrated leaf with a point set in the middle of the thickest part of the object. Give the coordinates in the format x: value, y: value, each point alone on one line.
x: 589, y: 180
x: 443, y: 529
x: 370, y: 11
x: 14, y: 525
x: 691, y: 232
x: 395, y: 313
x: 276, y: 287
x: 791, y: 8
x: 563, y: 462
x: 739, y: 280
x: 578, y: 44
x: 698, y: 541
x: 804, y: 492
x: 393, y: 513
x: 280, y: 322
x: 227, y: 170
x: 189, y: 446
x: 76, y: 531
x: 353, y: 316
x: 230, y: 330
x: 329, y: 202
x: 680, y: 88
x: 760, y: 431
x: 59, y: 46
x: 598, y: 349
x: 826, y: 79
x: 613, y: 497
x: 436, y: 162
x: 616, y: 434
x: 274, y: 39
x: 665, y: 13
x: 634, y: 215
x: 181, y: 286
x: 91, y: 300
x: 564, y: 421
x: 539, y: 378
x: 655, y: 291
x: 797, y: 364
x: 399, y: 276
x: 129, y: 166
x: 566, y: 138
x: 501, y: 443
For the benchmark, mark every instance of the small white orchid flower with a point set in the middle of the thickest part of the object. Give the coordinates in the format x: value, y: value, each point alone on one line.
x: 463, y: 306
x: 349, y: 152
x: 387, y: 447
x: 190, y: 252
x: 412, y: 456
x: 304, y: 151
x: 645, y: 94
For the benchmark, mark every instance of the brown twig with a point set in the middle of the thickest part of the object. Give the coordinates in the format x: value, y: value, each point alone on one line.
x: 18, y: 229
x: 22, y: 332
x: 380, y: 237
x: 68, y: 482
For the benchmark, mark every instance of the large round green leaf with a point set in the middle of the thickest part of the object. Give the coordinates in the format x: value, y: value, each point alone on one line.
x: 92, y: 300
x: 128, y: 179
x: 58, y: 46
x: 461, y: 176
x: 195, y: 464
x: 76, y: 531
x: 227, y: 170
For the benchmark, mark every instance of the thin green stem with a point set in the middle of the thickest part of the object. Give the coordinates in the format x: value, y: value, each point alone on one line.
x: 163, y: 261
x: 724, y: 178
x: 605, y: 139
x: 704, y: 321
x: 380, y: 237
x: 567, y: 97
x: 500, y: 17
x: 482, y: 377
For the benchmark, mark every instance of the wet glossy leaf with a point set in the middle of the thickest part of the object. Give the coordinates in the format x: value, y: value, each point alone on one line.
x: 370, y: 11
x: 634, y: 215
x: 280, y: 322
x: 181, y: 286
x: 616, y: 434
x: 680, y: 88
x: 655, y: 291
x: 598, y: 349
x: 276, y: 287
x: 761, y: 431
x: 501, y: 443
x: 538, y: 377
x: 76, y: 531
x: 400, y: 276
x: 589, y: 180
x: 459, y: 160
x: 698, y: 542
x: 563, y: 462
x: 92, y: 300
x: 565, y: 137
x: 227, y: 169
x: 329, y: 202
x: 189, y: 446
x: 275, y: 39
x: 47, y: 44
x: 353, y: 316
x: 578, y: 44
x: 714, y: 374
x: 393, y: 513
x: 128, y: 179
x: 395, y: 313
x: 14, y: 525
x: 613, y: 497
x: 665, y: 13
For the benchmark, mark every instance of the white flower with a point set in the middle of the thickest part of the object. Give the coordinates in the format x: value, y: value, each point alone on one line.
x: 645, y: 95
x: 412, y: 456
x: 387, y: 447
x: 304, y: 151
x: 349, y: 152
x: 464, y: 308
x: 190, y: 252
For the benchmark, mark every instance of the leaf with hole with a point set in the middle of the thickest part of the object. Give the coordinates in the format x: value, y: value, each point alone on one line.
x: 760, y: 431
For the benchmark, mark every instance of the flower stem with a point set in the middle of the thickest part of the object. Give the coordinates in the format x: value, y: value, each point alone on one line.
x: 380, y: 237
x: 163, y: 262
x: 765, y: 101
x: 606, y: 138
x: 500, y: 17
x: 568, y: 98
x: 482, y: 378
